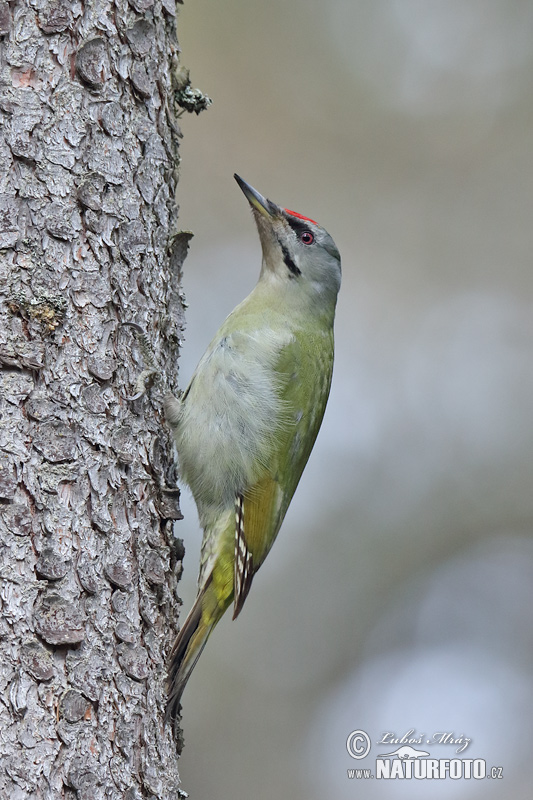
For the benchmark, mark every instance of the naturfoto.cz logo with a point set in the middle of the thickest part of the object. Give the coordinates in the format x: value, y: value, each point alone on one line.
x: 406, y: 761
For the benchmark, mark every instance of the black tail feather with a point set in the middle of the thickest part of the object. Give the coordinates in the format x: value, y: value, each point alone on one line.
x: 185, y: 653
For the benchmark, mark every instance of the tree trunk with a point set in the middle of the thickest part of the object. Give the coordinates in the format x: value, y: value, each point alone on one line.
x: 89, y: 565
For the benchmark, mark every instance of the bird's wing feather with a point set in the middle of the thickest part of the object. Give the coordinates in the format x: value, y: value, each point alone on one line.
x: 263, y: 505
x: 243, y: 570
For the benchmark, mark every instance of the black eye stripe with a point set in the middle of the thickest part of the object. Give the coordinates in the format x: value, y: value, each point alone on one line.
x: 298, y: 225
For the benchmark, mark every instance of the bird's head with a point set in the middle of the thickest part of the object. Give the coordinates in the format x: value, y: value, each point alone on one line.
x: 296, y: 250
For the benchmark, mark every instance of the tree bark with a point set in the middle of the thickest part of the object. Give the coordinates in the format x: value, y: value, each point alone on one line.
x: 88, y: 561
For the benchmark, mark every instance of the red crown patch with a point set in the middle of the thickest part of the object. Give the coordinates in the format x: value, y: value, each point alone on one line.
x: 300, y: 216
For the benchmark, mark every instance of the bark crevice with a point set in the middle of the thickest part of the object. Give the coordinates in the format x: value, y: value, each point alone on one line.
x: 88, y: 560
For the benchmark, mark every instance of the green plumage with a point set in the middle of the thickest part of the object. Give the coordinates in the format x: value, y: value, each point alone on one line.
x: 246, y: 424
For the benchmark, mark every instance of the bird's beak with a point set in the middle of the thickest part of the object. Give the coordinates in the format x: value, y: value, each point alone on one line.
x: 265, y: 207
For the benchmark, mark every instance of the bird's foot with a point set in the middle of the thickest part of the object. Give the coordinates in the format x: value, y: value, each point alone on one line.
x: 152, y: 373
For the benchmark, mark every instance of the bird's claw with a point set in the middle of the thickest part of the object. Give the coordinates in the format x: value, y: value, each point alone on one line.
x: 137, y: 328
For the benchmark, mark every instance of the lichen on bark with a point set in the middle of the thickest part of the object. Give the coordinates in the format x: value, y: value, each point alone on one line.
x: 88, y: 240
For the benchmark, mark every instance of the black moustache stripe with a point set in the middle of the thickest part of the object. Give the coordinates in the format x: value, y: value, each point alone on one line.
x: 291, y: 266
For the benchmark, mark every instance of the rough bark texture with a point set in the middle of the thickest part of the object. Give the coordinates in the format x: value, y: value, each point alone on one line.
x: 88, y: 562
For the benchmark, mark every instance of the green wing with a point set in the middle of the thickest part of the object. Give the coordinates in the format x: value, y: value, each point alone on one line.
x: 304, y: 371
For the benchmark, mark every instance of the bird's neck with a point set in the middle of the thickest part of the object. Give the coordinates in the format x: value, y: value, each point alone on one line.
x: 295, y: 297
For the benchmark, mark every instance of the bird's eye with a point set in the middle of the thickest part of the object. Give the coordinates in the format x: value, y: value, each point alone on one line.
x: 307, y: 237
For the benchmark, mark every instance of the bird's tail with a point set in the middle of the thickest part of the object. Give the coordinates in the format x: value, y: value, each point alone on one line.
x: 187, y: 649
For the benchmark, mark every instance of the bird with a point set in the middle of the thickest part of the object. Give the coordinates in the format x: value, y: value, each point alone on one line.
x: 246, y: 424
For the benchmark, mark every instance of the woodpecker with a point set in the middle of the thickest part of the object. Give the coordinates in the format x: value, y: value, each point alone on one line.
x: 246, y: 424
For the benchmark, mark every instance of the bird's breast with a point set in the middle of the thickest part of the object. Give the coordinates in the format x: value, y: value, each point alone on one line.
x: 232, y: 416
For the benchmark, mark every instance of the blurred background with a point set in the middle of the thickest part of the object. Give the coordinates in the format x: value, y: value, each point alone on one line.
x: 399, y: 593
